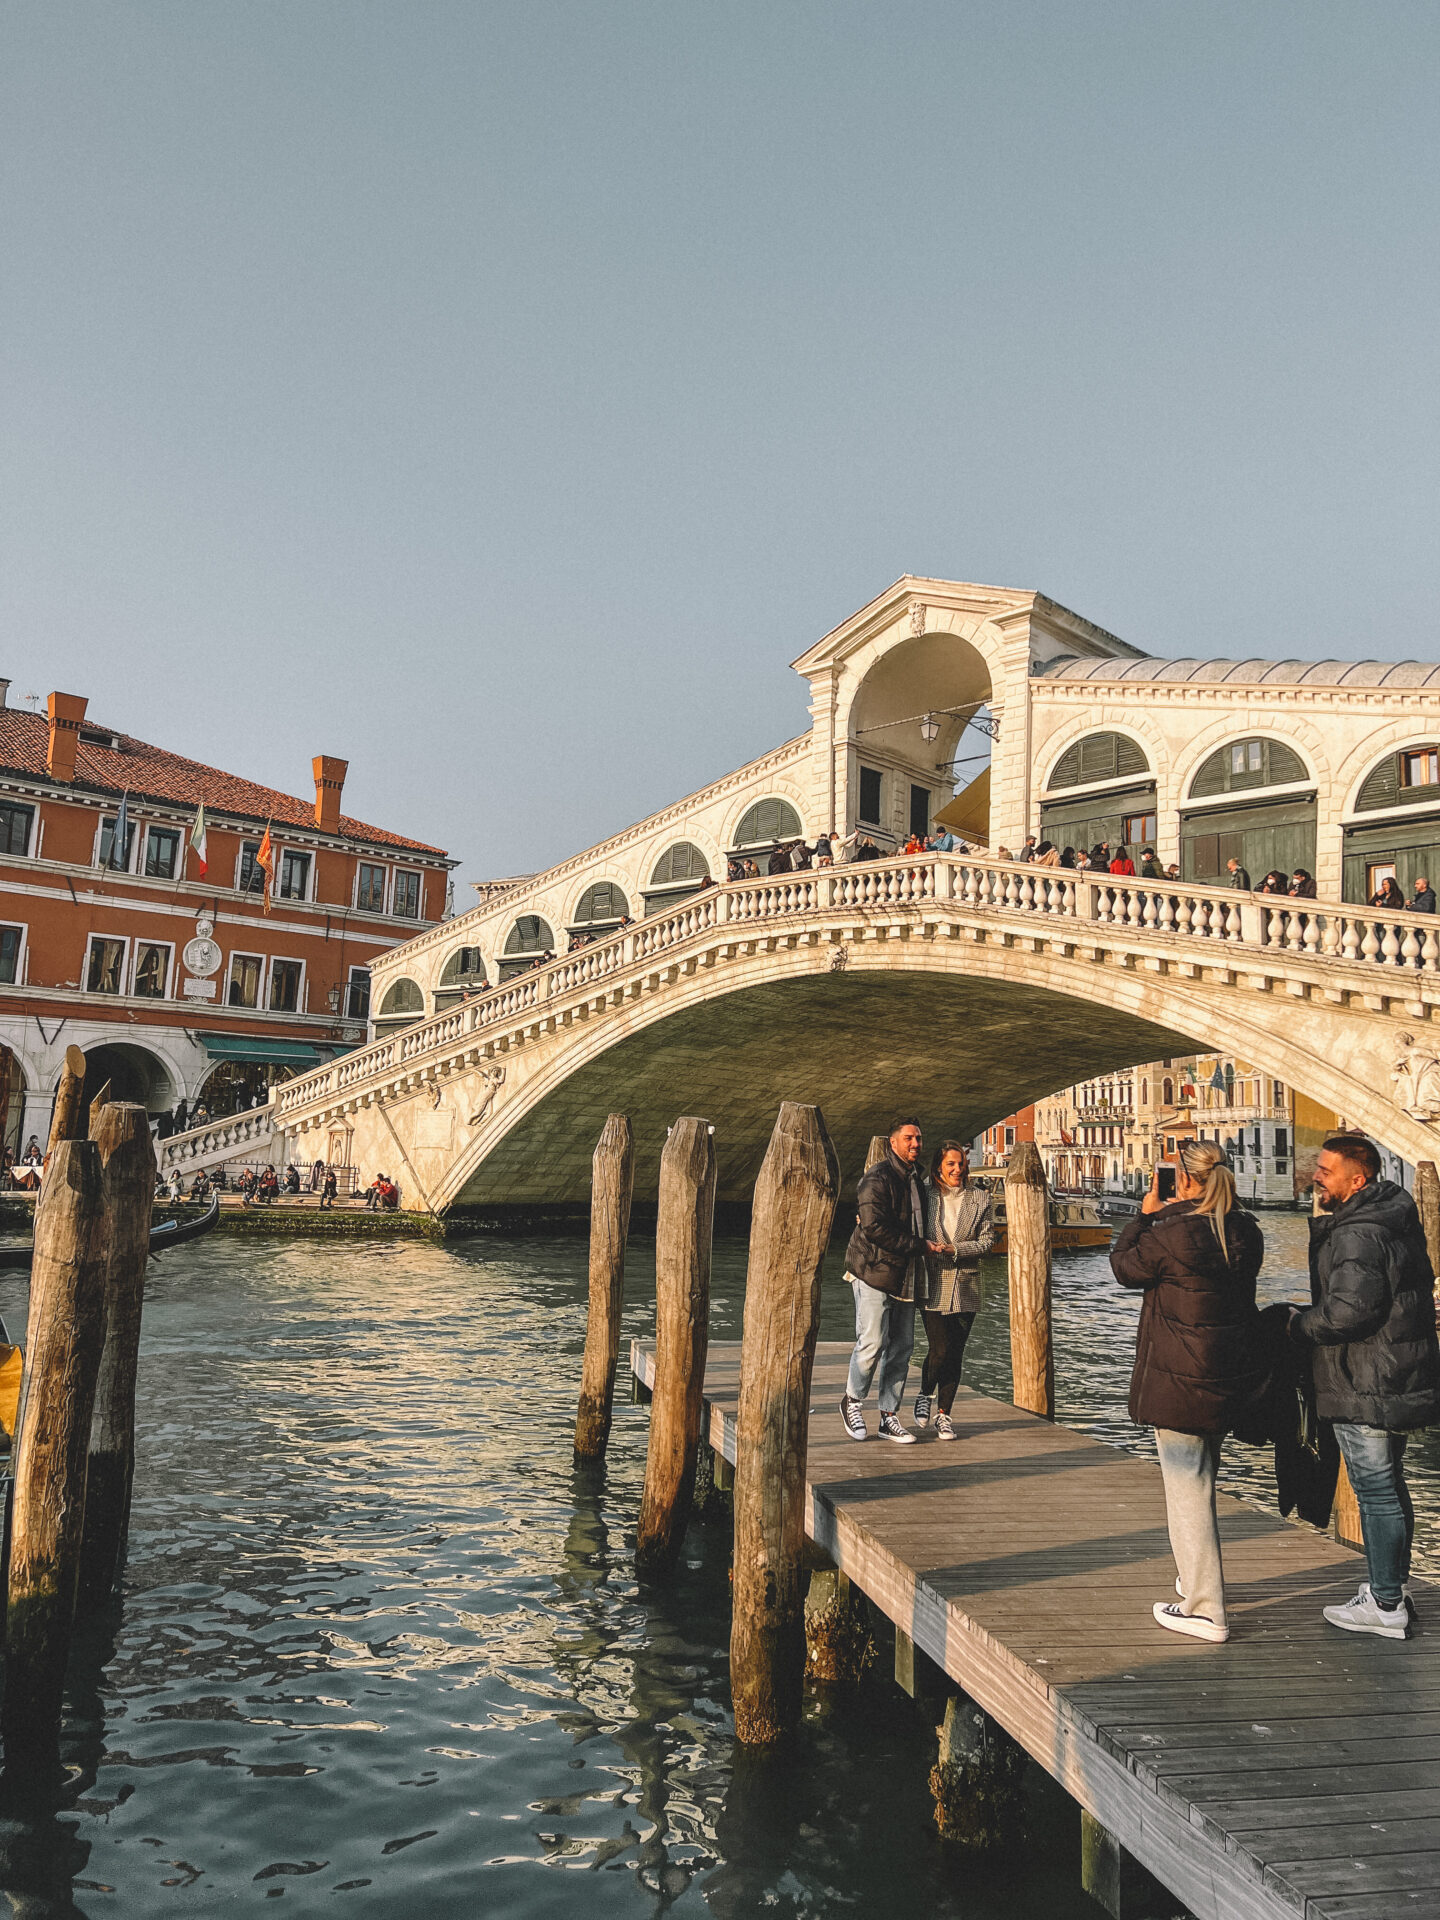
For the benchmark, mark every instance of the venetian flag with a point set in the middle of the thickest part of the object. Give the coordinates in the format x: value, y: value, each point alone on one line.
x: 265, y: 860
x: 197, y: 839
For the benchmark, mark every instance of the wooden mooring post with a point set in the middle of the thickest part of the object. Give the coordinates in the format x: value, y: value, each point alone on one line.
x: 121, y: 1131
x: 684, y: 1229
x: 1027, y: 1218
x: 794, y: 1206
x: 69, y: 1098
x: 877, y: 1150
x: 1427, y: 1199
x: 613, y: 1183
x: 62, y: 1365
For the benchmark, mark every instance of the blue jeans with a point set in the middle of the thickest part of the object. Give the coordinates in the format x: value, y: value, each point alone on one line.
x: 1375, y: 1462
x: 884, y: 1337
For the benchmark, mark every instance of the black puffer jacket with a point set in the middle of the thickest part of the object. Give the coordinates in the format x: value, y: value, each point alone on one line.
x: 1199, y: 1367
x: 1372, y: 1324
x: 884, y: 1245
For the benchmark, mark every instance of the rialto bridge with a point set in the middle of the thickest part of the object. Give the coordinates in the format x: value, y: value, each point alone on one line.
x: 959, y: 985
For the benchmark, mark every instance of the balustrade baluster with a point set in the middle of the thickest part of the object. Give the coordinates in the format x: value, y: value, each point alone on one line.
x: 1311, y: 935
x: 1390, y: 947
x: 1432, y: 947
x: 1370, y: 945
x: 1134, y: 908
x: 1186, y: 914
x: 1232, y: 922
x: 1410, y: 948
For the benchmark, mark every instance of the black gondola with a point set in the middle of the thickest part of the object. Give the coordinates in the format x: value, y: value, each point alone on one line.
x: 170, y: 1233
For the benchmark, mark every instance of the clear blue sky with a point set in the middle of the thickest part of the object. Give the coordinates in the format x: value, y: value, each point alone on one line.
x: 501, y: 396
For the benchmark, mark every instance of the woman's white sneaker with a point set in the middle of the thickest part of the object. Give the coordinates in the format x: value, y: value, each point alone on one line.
x: 1364, y: 1614
x: 923, y: 1404
x: 1198, y: 1625
x: 891, y: 1429
x: 944, y: 1426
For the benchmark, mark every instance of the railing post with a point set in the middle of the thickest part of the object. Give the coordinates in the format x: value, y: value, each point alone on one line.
x: 683, y: 1231
x: 1027, y: 1216
x: 794, y: 1206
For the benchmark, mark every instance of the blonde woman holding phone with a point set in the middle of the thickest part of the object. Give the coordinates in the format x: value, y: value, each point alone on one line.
x: 1198, y: 1365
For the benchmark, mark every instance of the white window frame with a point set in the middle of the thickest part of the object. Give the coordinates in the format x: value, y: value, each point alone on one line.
x: 134, y: 965
x: 309, y: 856
x: 138, y: 830
x: 22, y: 958
x: 125, y: 944
x: 141, y: 862
x: 410, y: 919
x: 301, y: 993
x: 262, y: 992
x: 248, y: 893
x: 385, y: 876
x: 32, y: 839
x: 345, y: 1012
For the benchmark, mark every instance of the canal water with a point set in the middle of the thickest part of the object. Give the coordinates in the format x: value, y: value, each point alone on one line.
x: 381, y: 1649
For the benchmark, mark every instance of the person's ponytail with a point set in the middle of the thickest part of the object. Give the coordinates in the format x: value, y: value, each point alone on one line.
x: 1204, y: 1160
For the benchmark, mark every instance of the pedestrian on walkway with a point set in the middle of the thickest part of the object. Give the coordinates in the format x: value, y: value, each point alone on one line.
x: 957, y: 1217
x: 884, y: 1264
x: 1371, y: 1328
x: 1199, y: 1367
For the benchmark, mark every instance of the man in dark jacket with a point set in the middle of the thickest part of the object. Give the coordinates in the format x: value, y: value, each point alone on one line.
x: 1375, y: 1360
x: 1423, y: 898
x: 881, y: 1262
x: 1238, y: 876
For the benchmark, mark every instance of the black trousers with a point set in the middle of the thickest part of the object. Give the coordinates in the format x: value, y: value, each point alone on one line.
x: 947, y: 1334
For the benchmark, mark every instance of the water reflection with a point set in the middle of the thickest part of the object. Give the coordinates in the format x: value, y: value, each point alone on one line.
x: 381, y: 1643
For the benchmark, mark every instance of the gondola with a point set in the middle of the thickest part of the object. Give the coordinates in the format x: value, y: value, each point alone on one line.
x: 170, y: 1233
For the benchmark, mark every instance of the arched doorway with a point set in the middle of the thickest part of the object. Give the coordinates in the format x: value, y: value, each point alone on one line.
x: 914, y: 737
x: 528, y: 941
x: 403, y: 1006
x: 132, y: 1073
x: 1395, y: 833
x: 1247, y: 802
x: 461, y: 978
x: 1100, y: 789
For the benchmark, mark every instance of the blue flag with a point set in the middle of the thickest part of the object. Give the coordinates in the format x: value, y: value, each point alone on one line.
x: 120, y: 837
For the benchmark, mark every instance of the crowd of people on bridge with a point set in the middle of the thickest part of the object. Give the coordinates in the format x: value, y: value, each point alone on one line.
x: 1349, y: 1376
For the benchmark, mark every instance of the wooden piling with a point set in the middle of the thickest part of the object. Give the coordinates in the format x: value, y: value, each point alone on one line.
x: 62, y: 1365
x: 1027, y: 1215
x: 877, y: 1150
x: 69, y: 1098
x: 794, y: 1205
x: 613, y: 1182
x: 1427, y: 1199
x: 683, y: 1232
x: 121, y: 1131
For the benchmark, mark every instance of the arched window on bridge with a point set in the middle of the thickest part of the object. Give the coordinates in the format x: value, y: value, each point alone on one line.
x: 603, y: 907
x: 764, y: 825
x: 462, y: 977
x: 1245, y: 803
x: 403, y: 1006
x: 1114, y: 798
x: 528, y: 942
x: 1402, y: 793
x: 679, y: 871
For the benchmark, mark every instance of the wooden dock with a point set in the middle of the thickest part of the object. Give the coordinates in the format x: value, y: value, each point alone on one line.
x: 1293, y: 1771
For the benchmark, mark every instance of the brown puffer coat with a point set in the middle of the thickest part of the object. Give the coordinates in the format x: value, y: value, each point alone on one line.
x: 1198, y: 1361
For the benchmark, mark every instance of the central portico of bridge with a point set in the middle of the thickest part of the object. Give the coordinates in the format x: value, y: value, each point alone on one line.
x: 635, y: 975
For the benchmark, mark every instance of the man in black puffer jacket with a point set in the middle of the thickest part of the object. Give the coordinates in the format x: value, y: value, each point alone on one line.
x: 885, y: 1250
x: 1377, y: 1367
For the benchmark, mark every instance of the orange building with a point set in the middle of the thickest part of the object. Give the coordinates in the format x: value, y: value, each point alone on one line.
x: 177, y: 985
x: 997, y: 1142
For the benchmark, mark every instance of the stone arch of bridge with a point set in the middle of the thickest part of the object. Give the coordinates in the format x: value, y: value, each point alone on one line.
x: 964, y: 1032
x: 953, y: 661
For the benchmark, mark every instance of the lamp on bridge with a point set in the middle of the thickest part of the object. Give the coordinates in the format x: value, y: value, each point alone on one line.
x: 930, y: 728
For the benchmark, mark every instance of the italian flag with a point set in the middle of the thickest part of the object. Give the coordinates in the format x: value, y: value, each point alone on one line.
x: 197, y: 840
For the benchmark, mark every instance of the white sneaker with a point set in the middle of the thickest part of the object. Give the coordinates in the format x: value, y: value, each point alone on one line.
x: 1364, y: 1614
x: 853, y: 1414
x: 923, y: 1404
x: 944, y: 1427
x: 1198, y: 1625
x: 891, y: 1429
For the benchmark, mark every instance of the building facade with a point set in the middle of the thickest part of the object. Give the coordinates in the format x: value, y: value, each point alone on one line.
x: 179, y: 985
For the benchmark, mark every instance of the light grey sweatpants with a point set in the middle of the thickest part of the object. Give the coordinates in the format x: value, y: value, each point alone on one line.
x: 1188, y: 1464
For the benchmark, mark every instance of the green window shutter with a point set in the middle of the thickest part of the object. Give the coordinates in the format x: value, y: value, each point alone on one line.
x: 1381, y: 787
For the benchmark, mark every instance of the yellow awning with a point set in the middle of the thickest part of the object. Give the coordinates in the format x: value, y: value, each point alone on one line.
x: 968, y: 814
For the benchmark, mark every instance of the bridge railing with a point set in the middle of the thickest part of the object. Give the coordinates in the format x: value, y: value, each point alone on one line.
x: 1309, y: 928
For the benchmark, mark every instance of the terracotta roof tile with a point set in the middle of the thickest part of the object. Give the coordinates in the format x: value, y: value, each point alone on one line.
x: 153, y: 774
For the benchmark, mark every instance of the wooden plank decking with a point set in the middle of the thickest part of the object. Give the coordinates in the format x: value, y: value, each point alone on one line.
x: 1293, y: 1771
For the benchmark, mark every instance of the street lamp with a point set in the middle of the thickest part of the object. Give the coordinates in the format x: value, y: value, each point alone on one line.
x: 930, y: 729
x: 334, y: 998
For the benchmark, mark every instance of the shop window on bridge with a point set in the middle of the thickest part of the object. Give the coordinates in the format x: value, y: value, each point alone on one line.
x: 920, y: 811
x: 766, y: 823
x: 680, y: 870
x: 1121, y: 814
x: 603, y: 907
x: 1262, y: 830
x: 1405, y: 786
x: 528, y: 942
x: 403, y: 1006
x: 869, y: 811
x: 462, y: 978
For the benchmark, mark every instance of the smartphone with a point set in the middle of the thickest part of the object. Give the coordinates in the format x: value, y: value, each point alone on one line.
x: 1165, y: 1182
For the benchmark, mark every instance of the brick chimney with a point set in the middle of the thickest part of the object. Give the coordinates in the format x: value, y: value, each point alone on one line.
x: 67, y: 711
x: 329, y: 785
